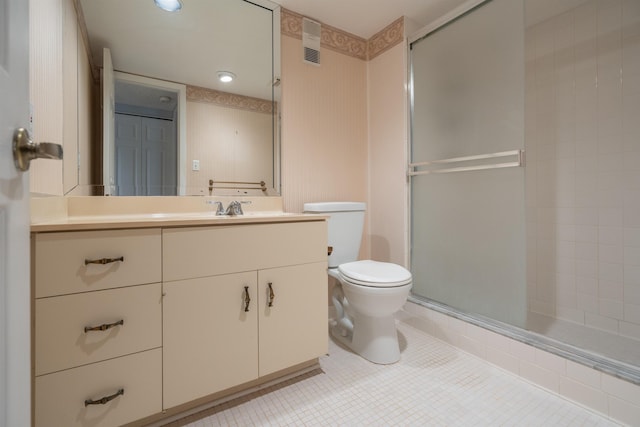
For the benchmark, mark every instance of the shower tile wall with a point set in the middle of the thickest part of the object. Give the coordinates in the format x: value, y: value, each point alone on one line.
x: 583, y: 165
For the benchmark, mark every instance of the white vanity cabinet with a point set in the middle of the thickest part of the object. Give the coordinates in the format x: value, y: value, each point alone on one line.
x: 97, y: 336
x: 210, y: 271
x: 134, y: 324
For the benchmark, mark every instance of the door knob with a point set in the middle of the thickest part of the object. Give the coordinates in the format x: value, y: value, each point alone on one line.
x: 25, y: 150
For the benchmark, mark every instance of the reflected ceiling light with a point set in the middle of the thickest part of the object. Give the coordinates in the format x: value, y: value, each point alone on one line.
x: 169, y: 5
x: 165, y: 99
x: 226, y: 76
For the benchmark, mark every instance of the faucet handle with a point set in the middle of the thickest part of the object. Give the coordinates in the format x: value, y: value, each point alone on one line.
x: 235, y: 208
x: 219, y: 207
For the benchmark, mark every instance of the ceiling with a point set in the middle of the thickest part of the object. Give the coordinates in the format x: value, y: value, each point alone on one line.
x: 364, y: 18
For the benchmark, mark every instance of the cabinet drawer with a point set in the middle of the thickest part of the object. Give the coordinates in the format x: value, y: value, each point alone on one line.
x: 60, y: 397
x: 60, y: 260
x: 60, y: 338
x: 228, y: 249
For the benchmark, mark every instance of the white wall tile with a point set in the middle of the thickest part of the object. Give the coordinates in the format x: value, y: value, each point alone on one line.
x: 632, y: 293
x: 621, y: 389
x: 538, y: 375
x: 503, y: 359
x: 610, y: 272
x: 588, y: 396
x: 601, y: 322
x: 587, y: 285
x: 631, y: 256
x: 582, y: 374
x: 631, y: 237
x: 551, y: 362
x: 611, y: 290
x: 611, y: 254
x: 631, y: 274
x: 631, y: 217
x: 632, y: 313
x: 586, y: 252
x: 521, y: 351
x: 587, y: 303
x: 631, y: 330
x: 611, y: 308
x: 624, y: 411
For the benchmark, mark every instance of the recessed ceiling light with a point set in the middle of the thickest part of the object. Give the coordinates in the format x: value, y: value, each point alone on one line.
x: 226, y: 76
x: 169, y: 5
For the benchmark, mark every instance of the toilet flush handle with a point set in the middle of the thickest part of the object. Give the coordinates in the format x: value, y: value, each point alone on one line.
x: 329, y: 250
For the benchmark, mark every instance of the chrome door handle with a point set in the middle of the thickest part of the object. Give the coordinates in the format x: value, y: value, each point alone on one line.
x: 25, y: 150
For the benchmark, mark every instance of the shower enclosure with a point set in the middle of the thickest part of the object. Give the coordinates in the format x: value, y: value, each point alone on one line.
x: 525, y: 172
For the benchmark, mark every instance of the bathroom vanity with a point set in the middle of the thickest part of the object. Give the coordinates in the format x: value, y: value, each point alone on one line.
x: 145, y: 316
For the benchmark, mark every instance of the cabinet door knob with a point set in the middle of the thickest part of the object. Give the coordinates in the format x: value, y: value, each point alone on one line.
x: 104, y: 400
x: 103, y: 327
x: 272, y: 295
x: 247, y: 298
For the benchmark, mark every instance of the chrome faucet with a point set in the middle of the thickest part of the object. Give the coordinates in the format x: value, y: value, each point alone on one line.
x: 234, y: 208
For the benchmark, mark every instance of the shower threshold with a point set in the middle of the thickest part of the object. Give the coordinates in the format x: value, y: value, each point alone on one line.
x: 613, y: 354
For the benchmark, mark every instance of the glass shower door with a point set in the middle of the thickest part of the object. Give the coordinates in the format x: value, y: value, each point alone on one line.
x: 467, y: 186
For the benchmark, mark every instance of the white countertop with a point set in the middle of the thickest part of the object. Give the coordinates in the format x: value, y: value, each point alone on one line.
x: 73, y: 214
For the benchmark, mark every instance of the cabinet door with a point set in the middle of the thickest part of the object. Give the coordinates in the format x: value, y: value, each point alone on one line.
x: 210, y: 341
x: 294, y: 328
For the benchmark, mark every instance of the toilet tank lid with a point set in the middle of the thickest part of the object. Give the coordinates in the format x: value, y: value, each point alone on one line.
x: 334, y: 206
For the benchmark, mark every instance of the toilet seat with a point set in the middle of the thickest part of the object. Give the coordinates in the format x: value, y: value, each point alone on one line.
x: 375, y: 274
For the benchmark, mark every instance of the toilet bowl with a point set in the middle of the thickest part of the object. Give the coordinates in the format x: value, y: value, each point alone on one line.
x: 367, y: 293
x: 365, y: 307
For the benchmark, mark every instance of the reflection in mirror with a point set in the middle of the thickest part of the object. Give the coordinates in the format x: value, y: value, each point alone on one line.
x: 227, y: 133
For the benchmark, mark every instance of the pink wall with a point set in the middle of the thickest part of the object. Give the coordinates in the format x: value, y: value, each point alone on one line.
x: 388, y: 155
x: 344, y: 135
x: 324, y: 128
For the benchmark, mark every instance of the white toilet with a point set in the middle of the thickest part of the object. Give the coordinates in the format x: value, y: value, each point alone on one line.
x: 368, y: 292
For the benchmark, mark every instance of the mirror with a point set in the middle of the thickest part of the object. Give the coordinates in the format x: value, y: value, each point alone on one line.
x: 177, y: 129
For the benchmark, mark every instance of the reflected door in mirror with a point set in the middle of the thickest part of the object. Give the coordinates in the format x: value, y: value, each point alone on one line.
x: 146, y: 156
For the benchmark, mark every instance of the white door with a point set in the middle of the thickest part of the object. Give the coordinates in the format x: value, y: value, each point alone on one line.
x: 15, y: 396
x: 128, y: 155
x: 159, y: 171
x: 145, y: 159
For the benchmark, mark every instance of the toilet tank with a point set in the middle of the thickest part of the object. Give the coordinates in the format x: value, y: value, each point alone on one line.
x: 346, y: 221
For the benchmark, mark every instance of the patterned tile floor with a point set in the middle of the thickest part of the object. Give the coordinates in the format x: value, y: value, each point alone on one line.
x: 434, y: 384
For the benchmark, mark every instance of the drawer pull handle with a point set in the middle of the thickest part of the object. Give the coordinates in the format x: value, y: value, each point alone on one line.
x: 272, y: 295
x: 103, y: 260
x: 104, y: 400
x: 247, y: 298
x: 103, y: 327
